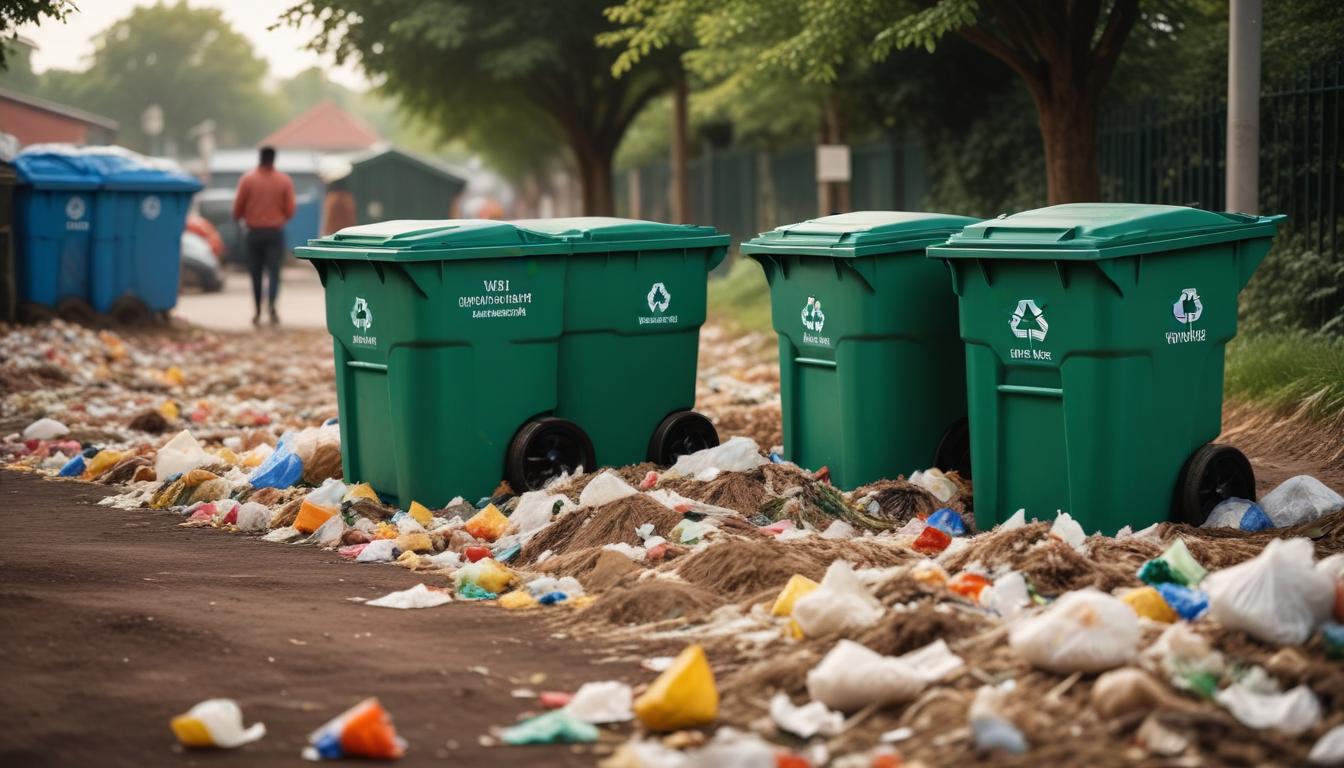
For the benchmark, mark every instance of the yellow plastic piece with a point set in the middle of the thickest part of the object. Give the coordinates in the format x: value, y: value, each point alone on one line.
x: 170, y: 411
x: 227, y: 455
x: 191, y: 732
x: 488, y: 574
x: 488, y: 524
x: 174, y: 376
x: 361, y: 491
x: 793, y: 631
x: 1148, y: 603
x: 415, y: 542
x: 311, y: 517
x: 798, y: 586
x: 386, y: 531
x: 104, y: 461
x: 409, y: 559
x: 683, y: 696
x: 421, y: 514
x: 518, y: 600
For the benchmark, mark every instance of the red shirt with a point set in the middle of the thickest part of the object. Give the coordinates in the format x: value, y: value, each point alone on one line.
x: 265, y: 199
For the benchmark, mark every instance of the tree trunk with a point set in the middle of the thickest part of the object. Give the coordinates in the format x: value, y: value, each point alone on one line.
x: 681, y: 193
x: 1068, y: 121
x: 594, y: 159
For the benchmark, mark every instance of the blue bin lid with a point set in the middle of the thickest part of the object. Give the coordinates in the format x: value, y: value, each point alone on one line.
x: 56, y: 166
x: 123, y: 170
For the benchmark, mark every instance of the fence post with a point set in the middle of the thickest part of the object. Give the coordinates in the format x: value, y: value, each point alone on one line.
x: 1243, y: 107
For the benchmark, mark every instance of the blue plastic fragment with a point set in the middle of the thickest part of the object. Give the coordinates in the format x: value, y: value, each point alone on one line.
x: 551, y: 598
x: 508, y: 553
x: 91, y: 451
x: 331, y: 421
x: 483, y: 502
x: 1254, y: 519
x: 947, y: 521
x: 775, y: 458
x: 1189, y: 603
x: 1333, y: 635
x: 281, y: 469
x: 73, y: 467
x: 328, y: 745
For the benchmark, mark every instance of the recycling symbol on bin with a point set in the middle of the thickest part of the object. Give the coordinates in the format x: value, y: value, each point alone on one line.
x: 813, y: 317
x: 1028, y: 321
x: 361, y: 315
x: 151, y: 207
x: 659, y: 298
x: 74, y: 208
x: 1188, y: 307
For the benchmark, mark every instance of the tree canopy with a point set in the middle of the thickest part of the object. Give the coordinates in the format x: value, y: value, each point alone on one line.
x: 515, y: 75
x: 16, y: 13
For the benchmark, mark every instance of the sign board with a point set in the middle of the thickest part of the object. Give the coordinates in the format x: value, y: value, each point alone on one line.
x: 832, y: 162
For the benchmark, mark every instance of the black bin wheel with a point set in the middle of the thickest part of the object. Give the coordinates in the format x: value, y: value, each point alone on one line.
x: 131, y: 311
x: 954, y: 449
x: 543, y: 450
x: 681, y: 433
x: 1211, y: 474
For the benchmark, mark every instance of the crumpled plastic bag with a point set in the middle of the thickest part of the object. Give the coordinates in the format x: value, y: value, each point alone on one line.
x: 253, y: 517
x: 738, y: 454
x: 215, y: 723
x: 378, y: 551
x: 934, y: 481
x: 1329, y: 749
x: 281, y: 469
x: 606, y: 701
x: 604, y: 489
x: 1293, y: 712
x: 841, y: 604
x: 852, y: 676
x: 1008, y: 595
x: 181, y: 454
x: 535, y: 509
x: 1083, y: 631
x: 45, y: 429
x: 1300, y: 499
x: 1068, y: 530
x: 807, y: 720
x: 1276, y: 597
x: 419, y: 596
x: 558, y: 727
x: 1242, y: 514
x: 990, y: 725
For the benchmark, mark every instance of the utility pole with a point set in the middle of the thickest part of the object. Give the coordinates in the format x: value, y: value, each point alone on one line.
x: 681, y: 193
x: 1243, y: 107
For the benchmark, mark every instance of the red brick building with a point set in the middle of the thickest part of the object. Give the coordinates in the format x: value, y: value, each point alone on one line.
x: 35, y: 121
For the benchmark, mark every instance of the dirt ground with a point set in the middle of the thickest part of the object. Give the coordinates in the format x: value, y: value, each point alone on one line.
x: 115, y: 621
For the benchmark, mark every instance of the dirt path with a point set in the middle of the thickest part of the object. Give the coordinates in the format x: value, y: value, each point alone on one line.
x: 117, y: 620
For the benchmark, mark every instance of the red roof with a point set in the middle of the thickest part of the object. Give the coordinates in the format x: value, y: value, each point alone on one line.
x: 325, y: 127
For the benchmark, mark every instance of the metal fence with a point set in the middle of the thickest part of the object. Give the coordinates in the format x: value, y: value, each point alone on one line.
x: 1178, y: 155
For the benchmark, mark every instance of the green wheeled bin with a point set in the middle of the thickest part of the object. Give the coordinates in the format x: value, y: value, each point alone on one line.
x: 1094, y: 340
x: 871, y: 367
x: 470, y: 351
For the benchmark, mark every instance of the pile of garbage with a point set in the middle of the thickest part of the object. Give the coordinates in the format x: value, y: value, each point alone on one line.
x: 783, y: 621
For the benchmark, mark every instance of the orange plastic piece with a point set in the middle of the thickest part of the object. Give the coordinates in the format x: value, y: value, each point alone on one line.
x: 790, y: 760
x: 370, y: 733
x: 311, y: 517
x: 968, y: 584
x: 488, y: 524
x: 931, y: 541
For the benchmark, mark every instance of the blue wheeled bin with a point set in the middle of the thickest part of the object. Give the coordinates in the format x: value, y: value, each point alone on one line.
x: 54, y: 205
x: 137, y: 233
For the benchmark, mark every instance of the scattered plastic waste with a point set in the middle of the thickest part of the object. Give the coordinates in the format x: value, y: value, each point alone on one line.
x: 471, y: 591
x: 551, y: 598
x: 604, y: 489
x: 968, y: 584
x: 841, y: 603
x: 839, y: 530
x: 488, y: 524
x: 537, y: 508
x: 419, y: 596
x: 378, y: 551
x: 1329, y: 749
x: 1332, y: 635
x: 1149, y: 604
x: 180, y: 454
x: 45, y: 429
x: 948, y: 522
x: 557, y: 727
x: 486, y: 574
x: 797, y: 587
x: 364, y: 730
x: 804, y: 721
x: 281, y: 469
x: 737, y: 454
x: 1008, y: 595
x: 931, y: 541
x: 1067, y: 530
x: 1014, y: 521
x: 990, y: 726
x: 1190, y: 604
x: 1127, y: 690
x: 683, y: 696
x: 852, y: 676
x: 1276, y: 597
x: 1083, y: 631
x: 608, y: 701
x: 935, y: 482
x: 420, y: 514
x: 1174, y: 566
x: 1242, y: 514
x: 215, y: 723
x: 1300, y: 499
x: 73, y: 468
x: 517, y: 600
x: 1293, y: 712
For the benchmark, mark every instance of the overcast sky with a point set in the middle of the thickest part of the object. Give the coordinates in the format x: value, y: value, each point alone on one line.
x: 68, y: 45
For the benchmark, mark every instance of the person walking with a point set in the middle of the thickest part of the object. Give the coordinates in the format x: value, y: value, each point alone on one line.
x: 263, y: 203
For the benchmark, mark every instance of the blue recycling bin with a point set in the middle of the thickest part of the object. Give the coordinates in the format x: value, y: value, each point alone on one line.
x: 54, y: 207
x: 137, y: 232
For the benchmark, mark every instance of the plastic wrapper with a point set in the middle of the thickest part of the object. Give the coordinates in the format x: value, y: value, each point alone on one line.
x: 805, y: 721
x: 990, y: 726
x: 535, y: 509
x: 486, y: 574
x: 1300, y: 499
x: 1068, y: 530
x: 558, y: 727
x: 180, y: 454
x: 737, y: 454
x: 1242, y: 514
x: 840, y: 604
x: 604, y: 489
x: 45, y: 429
x: 852, y: 676
x: 419, y: 596
x: 1329, y: 749
x: 1277, y: 597
x: 607, y: 701
x: 948, y: 521
x: 683, y: 696
x: 1293, y: 712
x: 935, y: 482
x: 1083, y: 631
x: 364, y: 730
x: 797, y: 587
x: 1148, y: 603
x: 215, y: 723
x: 281, y: 469
x: 488, y: 524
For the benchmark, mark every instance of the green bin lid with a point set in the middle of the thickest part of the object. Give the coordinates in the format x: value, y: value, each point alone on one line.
x: 1088, y: 231
x: 858, y: 234
x: 420, y: 240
